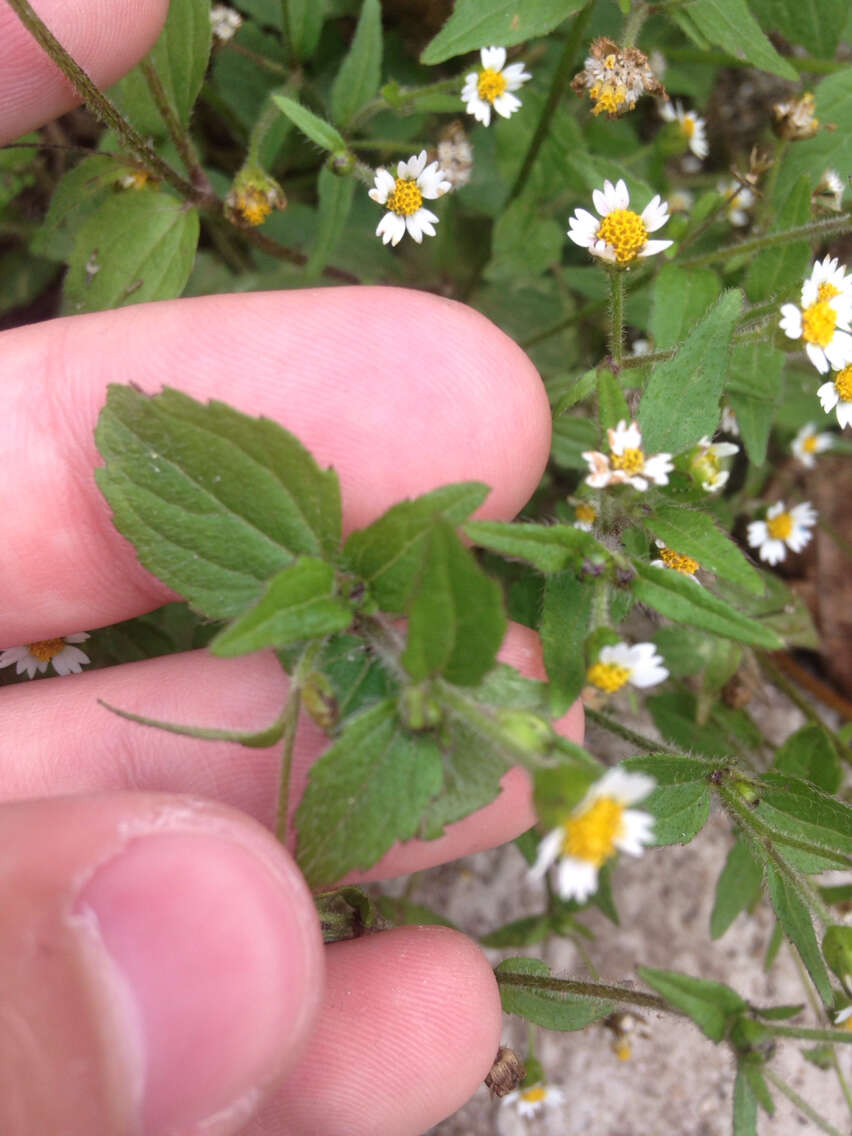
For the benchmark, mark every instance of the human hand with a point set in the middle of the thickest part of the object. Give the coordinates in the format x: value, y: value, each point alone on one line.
x: 160, y: 960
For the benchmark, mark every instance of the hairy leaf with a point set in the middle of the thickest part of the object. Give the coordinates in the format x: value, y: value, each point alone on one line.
x: 737, y: 889
x: 360, y: 73
x: 711, y: 1005
x: 696, y: 534
x: 680, y: 804
x: 474, y: 24
x: 546, y: 1007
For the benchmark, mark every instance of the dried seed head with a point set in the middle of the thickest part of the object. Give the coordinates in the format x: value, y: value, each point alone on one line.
x: 455, y: 154
x: 506, y: 1073
x: 615, y: 78
x: 795, y: 119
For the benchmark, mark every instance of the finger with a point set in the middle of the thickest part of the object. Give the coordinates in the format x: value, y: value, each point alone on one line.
x: 400, y: 391
x: 409, y: 1027
x: 106, y: 37
x: 160, y: 966
x: 59, y: 740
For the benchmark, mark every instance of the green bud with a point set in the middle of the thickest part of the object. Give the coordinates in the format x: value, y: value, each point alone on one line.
x: 418, y: 709
x: 837, y: 951
x: 342, y: 163
x: 526, y: 731
x: 748, y: 792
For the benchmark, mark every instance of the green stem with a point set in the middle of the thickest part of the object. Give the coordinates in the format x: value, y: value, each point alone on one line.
x: 816, y: 1006
x: 814, y: 230
x: 178, y: 135
x: 263, y: 61
x: 402, y: 99
x: 616, y: 315
x: 613, y: 726
x: 803, y: 1033
x: 800, y: 1103
x: 633, y: 24
x: 268, y: 117
x: 101, y: 106
x: 601, y: 990
x: 557, y: 88
x: 291, y: 721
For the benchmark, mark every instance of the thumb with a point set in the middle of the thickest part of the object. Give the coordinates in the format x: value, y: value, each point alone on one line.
x: 160, y: 965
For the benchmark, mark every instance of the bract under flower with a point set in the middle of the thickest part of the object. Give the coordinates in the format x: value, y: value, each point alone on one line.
x: 626, y: 462
x: 403, y: 196
x: 619, y: 235
x: 492, y: 86
x: 781, y: 530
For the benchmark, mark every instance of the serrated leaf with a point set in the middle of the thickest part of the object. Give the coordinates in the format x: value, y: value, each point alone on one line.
x: 335, y: 201
x: 612, y: 405
x: 564, y: 626
x: 388, y: 554
x: 360, y: 73
x: 681, y: 297
x: 310, y: 124
x: 737, y: 889
x: 681, y: 599
x: 680, y: 804
x: 675, y: 716
x: 711, y: 1005
x: 180, y: 58
x: 365, y: 792
x: 82, y: 190
x: 797, y: 811
x: 131, y: 249
x: 358, y: 678
x: 775, y: 270
x: 810, y: 753
x: 815, y: 24
x: 304, y: 20
x: 795, y: 920
x: 456, y: 618
x: 550, y: 548
x: 299, y: 602
x: 546, y: 1008
x: 475, y: 24
x: 730, y: 25
x: 681, y: 401
x: 523, y: 244
x: 580, y: 389
x: 753, y: 390
x: 696, y: 534
x: 215, y: 502
x: 745, y: 1107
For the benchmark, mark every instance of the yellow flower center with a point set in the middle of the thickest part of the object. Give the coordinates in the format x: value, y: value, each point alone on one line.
x: 819, y: 322
x: 624, y: 231
x: 827, y: 291
x: 847, y: 1024
x: 622, y: 1050
x: 608, y: 676
x: 406, y: 197
x: 491, y: 84
x: 780, y: 527
x: 688, y: 125
x: 843, y: 383
x: 46, y: 649
x: 679, y: 561
x: 608, y: 97
x: 591, y: 836
x: 535, y: 1094
x: 253, y: 206
x: 707, y: 466
x: 585, y: 513
x: 809, y: 444
x: 631, y: 461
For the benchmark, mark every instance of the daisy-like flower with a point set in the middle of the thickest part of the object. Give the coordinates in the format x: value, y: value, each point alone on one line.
x: 403, y: 196
x: 600, y: 825
x: 829, y: 192
x: 621, y: 235
x: 455, y: 155
x: 837, y: 393
x: 492, y: 86
x: 823, y: 319
x: 677, y: 561
x: 808, y: 443
x: 35, y: 657
x: 681, y: 201
x: 626, y: 462
x: 738, y: 200
x: 844, y: 1017
x: 225, y: 22
x: 728, y: 422
x: 531, y: 1100
x: 614, y: 78
x: 706, y: 465
x: 619, y: 663
x: 585, y: 516
x: 692, y: 126
x: 781, y: 530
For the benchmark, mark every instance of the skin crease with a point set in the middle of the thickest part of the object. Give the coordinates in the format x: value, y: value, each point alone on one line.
x: 399, y: 391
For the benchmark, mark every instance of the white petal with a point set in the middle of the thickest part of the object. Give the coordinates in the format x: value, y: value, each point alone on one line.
x: 844, y: 414
x: 651, y: 248
x: 419, y: 223
x: 506, y: 104
x: 391, y: 228
x: 773, y: 551
x: 583, y: 228
x: 480, y: 109
x: 621, y: 196
x: 839, y: 351
x: 791, y: 321
x: 637, y: 831
x: 723, y: 449
x: 817, y: 357
x: 515, y: 76
x: 576, y: 879
x: 658, y: 467
x: 384, y: 185
x: 828, y: 396
x: 758, y: 533
x: 603, y: 250
x: 638, y: 482
x: 601, y: 199
x: 623, y: 786
x: 70, y: 660
x: 548, y: 850
x: 655, y: 214
x: 493, y: 57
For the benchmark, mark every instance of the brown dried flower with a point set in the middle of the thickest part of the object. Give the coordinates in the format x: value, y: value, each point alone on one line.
x: 614, y: 78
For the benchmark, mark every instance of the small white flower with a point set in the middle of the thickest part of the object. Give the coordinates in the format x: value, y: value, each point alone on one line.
x: 35, y: 657
x: 585, y: 516
x: 738, y: 200
x: 781, y: 530
x: 619, y: 663
x: 844, y: 1015
x: 493, y: 85
x: 600, y: 825
x: 824, y: 317
x: 620, y: 236
x: 626, y: 463
x: 677, y: 562
x: 403, y: 195
x: 692, y: 126
x: 706, y: 465
x: 529, y: 1101
x: 728, y: 422
x: 837, y: 392
x: 807, y: 443
x: 224, y: 22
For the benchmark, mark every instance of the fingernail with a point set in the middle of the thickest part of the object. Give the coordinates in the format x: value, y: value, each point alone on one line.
x: 217, y: 959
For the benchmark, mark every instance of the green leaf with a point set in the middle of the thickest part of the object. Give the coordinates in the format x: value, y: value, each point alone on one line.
x: 681, y: 297
x: 829, y: 149
x: 524, y: 244
x: 681, y: 599
x: 550, y: 548
x: 360, y: 73
x: 388, y: 554
x: 365, y: 792
x: 753, y: 390
x: 579, y: 390
x: 612, y: 405
x: 730, y: 25
x: 810, y: 753
x: 745, y: 1106
x: 711, y: 1005
x: 131, y: 249
x: 680, y: 804
x: 304, y: 20
x: 737, y: 889
x: 797, y: 811
x: 299, y: 602
x: 456, y: 620
x: 564, y: 625
x: 335, y: 202
x: 815, y: 24
x: 774, y: 270
x: 675, y: 716
x: 546, y: 1008
x: 795, y: 920
x: 696, y: 534
x: 475, y: 24
x: 180, y: 58
x: 214, y: 501
x: 681, y: 400
x: 358, y: 679
x: 519, y: 933
x: 310, y: 124
x: 400, y: 912
x: 82, y: 190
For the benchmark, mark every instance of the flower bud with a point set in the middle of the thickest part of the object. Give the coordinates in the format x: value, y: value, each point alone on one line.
x: 252, y: 197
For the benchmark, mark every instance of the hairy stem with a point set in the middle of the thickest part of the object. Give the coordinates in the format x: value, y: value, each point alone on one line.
x: 604, y: 991
x: 616, y: 316
x: 178, y: 135
x: 815, y: 230
x: 613, y: 726
x: 801, y: 1104
x: 291, y: 721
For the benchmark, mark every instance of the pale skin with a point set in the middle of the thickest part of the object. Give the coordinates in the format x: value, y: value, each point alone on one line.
x: 160, y: 961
